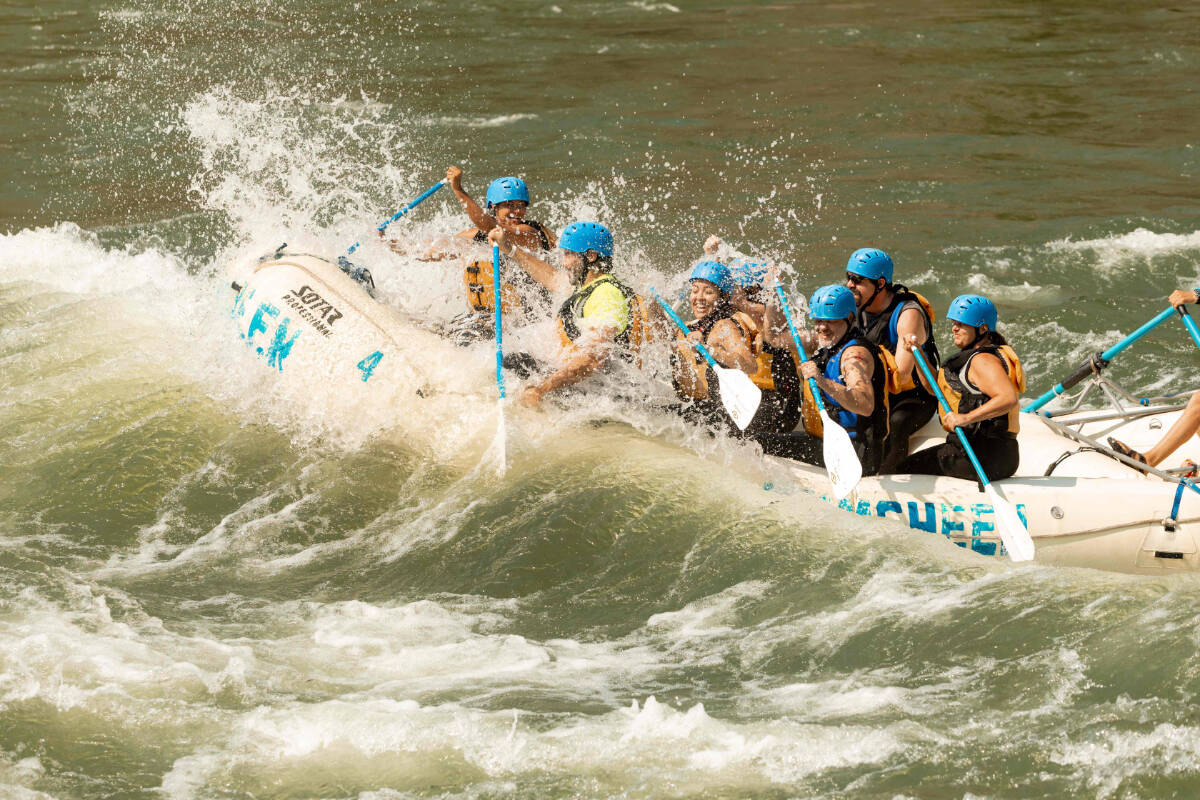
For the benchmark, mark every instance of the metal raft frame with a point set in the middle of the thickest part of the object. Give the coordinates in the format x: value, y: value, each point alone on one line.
x: 1117, y: 397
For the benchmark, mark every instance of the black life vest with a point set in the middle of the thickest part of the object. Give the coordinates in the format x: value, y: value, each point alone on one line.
x: 883, y: 329
x: 964, y: 397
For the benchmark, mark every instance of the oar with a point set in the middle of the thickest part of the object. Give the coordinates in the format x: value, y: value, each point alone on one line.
x: 841, y: 462
x: 1099, y: 361
x: 1012, y: 530
x: 500, y: 432
x: 403, y: 211
x: 1190, y: 324
x: 739, y: 395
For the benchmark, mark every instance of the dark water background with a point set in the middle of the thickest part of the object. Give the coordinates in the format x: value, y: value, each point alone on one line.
x: 208, y: 592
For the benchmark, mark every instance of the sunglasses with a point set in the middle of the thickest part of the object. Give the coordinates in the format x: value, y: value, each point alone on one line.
x: 857, y: 279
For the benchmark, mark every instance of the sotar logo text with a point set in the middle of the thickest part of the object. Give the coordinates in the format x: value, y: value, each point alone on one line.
x: 322, y: 308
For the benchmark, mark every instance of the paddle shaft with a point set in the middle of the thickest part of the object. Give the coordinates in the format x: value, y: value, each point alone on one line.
x: 403, y: 211
x: 712, y: 362
x: 1100, y: 360
x: 499, y: 314
x: 812, y: 382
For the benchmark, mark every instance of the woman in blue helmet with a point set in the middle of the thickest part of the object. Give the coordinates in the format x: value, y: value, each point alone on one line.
x: 982, y: 384
x: 727, y: 334
x: 848, y: 372
x: 507, y: 201
x: 600, y: 319
x: 775, y: 373
x: 887, y: 313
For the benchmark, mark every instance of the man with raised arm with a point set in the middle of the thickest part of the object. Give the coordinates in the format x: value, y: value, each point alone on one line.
x: 601, y: 319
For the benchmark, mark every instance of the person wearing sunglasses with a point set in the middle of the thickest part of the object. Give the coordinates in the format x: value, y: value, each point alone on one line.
x: 889, y: 313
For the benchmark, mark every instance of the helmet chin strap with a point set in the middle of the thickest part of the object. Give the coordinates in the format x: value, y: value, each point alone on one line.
x: 579, y: 274
x: 874, y: 294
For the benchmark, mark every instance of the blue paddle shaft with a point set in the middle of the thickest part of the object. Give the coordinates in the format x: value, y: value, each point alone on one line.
x: 787, y: 314
x: 962, y: 437
x: 499, y: 310
x: 403, y: 211
x: 1190, y: 324
x: 1107, y: 355
x: 412, y: 205
x: 683, y: 327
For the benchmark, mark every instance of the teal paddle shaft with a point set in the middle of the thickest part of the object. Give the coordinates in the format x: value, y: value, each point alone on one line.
x: 499, y: 313
x: 1100, y: 360
x: 1012, y: 529
x: 403, y: 211
x: 712, y: 362
x: 787, y: 313
x: 1190, y: 324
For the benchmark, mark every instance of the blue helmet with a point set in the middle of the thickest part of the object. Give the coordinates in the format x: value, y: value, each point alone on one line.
x: 870, y: 262
x: 749, y: 274
x: 715, y: 273
x: 502, y: 190
x: 832, y: 302
x: 579, y: 237
x: 973, y: 310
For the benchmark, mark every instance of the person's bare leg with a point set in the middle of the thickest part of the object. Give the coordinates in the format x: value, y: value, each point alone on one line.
x: 1187, y: 424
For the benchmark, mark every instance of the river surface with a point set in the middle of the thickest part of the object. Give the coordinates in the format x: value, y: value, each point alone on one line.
x: 211, y: 590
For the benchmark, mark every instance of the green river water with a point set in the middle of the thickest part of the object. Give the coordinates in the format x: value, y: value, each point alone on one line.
x: 210, y: 590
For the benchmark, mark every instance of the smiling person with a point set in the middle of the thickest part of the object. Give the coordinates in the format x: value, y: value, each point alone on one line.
x: 507, y: 201
x: 982, y: 384
x: 726, y: 334
x: 887, y: 313
x: 602, y: 319
x: 848, y: 372
x: 775, y: 371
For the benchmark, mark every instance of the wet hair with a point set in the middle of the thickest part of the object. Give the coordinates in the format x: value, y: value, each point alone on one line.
x: 990, y: 339
x: 601, y: 264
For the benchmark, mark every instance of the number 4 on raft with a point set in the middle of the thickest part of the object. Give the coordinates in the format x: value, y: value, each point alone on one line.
x: 368, y: 364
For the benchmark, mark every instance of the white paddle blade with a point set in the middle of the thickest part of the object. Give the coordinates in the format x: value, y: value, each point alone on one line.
x: 1013, y: 532
x: 841, y: 462
x: 498, y: 450
x: 739, y: 395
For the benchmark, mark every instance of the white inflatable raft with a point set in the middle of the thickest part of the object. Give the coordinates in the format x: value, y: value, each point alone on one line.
x: 1083, y: 506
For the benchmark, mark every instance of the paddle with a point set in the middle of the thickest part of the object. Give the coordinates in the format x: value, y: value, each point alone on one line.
x: 841, y: 462
x: 500, y: 443
x: 403, y: 211
x: 1100, y: 360
x: 739, y: 395
x: 1010, y: 527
